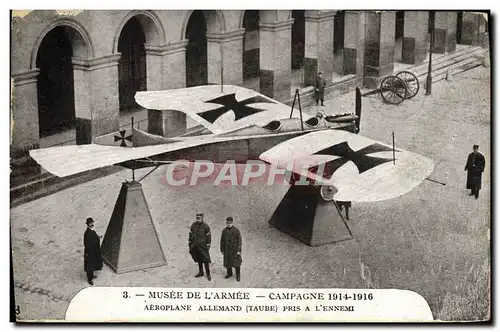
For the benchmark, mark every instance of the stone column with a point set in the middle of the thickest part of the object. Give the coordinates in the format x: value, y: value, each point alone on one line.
x: 83, y: 102
x: 415, y: 40
x: 319, y: 45
x: 379, y: 46
x: 445, y: 35
x: 360, y: 46
x: 473, y: 28
x: 154, y: 66
x: 166, y: 65
x: 276, y: 59
x: 96, y: 97
x: 351, y: 45
x: 229, y: 46
x: 25, y: 133
x: 166, y: 70
x: 350, y: 60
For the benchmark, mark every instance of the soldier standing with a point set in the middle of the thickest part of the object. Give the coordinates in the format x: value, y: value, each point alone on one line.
x: 92, y: 260
x: 319, y: 89
x: 230, y: 246
x: 475, y: 168
x: 199, y: 245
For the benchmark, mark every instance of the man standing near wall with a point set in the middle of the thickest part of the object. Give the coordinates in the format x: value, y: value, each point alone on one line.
x: 319, y: 89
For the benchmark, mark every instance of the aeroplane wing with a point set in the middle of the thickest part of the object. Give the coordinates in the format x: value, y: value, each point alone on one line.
x: 234, y: 108
x: 68, y: 160
x: 361, y: 169
x: 73, y: 159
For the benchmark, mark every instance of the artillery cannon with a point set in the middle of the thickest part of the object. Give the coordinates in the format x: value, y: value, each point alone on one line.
x: 396, y: 88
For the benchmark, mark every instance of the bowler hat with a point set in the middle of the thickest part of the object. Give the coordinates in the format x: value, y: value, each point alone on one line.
x: 475, y: 146
x: 89, y: 221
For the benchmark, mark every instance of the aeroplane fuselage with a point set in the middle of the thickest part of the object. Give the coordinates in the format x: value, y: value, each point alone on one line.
x: 236, y: 148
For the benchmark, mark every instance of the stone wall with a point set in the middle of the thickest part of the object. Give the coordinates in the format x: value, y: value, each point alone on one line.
x: 367, y: 52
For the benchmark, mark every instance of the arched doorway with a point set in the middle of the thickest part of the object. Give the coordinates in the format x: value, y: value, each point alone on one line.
x: 55, y: 85
x: 251, y: 44
x: 338, y: 42
x: 460, y: 16
x: 298, y: 38
x: 196, y: 50
x: 399, y: 36
x: 132, y: 65
x: 298, y: 48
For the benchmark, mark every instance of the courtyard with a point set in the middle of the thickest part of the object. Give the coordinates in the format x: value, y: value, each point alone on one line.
x: 429, y: 241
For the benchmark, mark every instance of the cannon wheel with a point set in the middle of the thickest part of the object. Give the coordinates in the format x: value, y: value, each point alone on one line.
x: 411, y: 81
x: 393, y: 90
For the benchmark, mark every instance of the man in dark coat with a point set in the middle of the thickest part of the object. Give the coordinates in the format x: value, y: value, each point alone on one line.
x: 475, y: 168
x: 319, y: 89
x: 230, y: 247
x: 92, y: 255
x: 199, y: 245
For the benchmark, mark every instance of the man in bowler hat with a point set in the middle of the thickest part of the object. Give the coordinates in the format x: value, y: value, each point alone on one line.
x: 230, y: 247
x: 92, y: 255
x: 199, y: 245
x: 475, y: 168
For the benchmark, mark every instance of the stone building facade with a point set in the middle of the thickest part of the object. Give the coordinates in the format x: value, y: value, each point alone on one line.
x: 80, y: 70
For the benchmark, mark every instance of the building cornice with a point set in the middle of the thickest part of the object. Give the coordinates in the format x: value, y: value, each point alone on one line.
x: 26, y: 77
x: 96, y: 63
x: 170, y: 48
x: 276, y: 26
x: 320, y: 16
x: 226, y: 37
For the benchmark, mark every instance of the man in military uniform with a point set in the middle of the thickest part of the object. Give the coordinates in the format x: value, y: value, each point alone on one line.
x: 92, y: 260
x: 319, y: 89
x: 199, y: 245
x: 230, y: 247
x: 475, y: 168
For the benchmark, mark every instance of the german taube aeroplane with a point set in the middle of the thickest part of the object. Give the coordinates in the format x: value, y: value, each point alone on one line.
x: 239, y: 124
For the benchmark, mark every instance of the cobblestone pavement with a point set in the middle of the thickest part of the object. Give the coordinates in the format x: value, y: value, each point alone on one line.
x: 426, y: 241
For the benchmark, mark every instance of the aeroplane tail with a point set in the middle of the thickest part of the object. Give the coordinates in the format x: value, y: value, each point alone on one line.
x: 131, y: 137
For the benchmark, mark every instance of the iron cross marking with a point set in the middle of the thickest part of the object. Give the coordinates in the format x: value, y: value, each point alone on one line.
x: 240, y: 108
x: 123, y: 138
x: 359, y: 158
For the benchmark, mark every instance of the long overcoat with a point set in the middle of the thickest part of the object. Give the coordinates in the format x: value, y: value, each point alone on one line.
x: 475, y: 168
x: 92, y: 260
x: 230, y: 245
x: 200, y: 239
x: 319, y: 88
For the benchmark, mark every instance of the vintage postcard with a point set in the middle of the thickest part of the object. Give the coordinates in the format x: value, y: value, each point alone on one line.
x: 265, y: 165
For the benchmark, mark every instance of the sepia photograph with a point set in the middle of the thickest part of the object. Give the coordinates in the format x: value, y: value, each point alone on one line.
x: 319, y: 165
